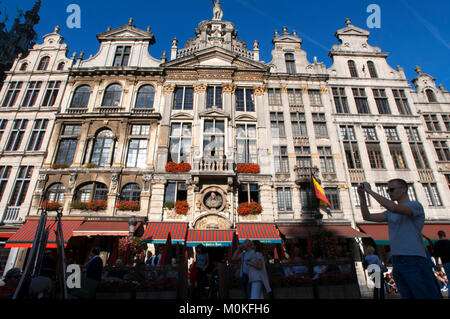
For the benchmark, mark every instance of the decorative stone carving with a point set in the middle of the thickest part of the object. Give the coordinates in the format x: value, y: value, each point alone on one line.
x: 72, y: 180
x: 229, y: 88
x: 114, y: 182
x: 169, y: 88
x: 259, y: 90
x: 200, y: 88
x: 213, y: 201
x: 42, y: 179
x: 147, y: 178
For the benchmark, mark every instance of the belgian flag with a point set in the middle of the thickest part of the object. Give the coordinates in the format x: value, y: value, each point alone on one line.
x: 320, y: 194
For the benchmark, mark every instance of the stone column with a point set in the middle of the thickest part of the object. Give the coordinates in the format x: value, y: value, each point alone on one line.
x: 164, y: 129
x: 263, y: 151
x: 53, y: 145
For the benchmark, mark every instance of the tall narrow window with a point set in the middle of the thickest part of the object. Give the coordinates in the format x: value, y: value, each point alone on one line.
x: 381, y: 101
x: 295, y: 97
x: 5, y: 171
x: 61, y: 66
x: 332, y: 194
x: 214, y: 139
x: 68, y: 144
x: 298, y: 123
x: 303, y: 156
x: 112, y: 95
x: 32, y: 93
x: 340, y: 100
x: 277, y: 124
x: 432, y: 194
x: 375, y: 156
x: 43, y: 64
x: 352, y: 68
x: 391, y: 134
x: 102, y: 148
x: 430, y: 95
x: 145, y: 97
x: 326, y: 159
x: 320, y: 125
x: 245, y: 100
x: 315, y: 98
x: 3, y: 123
x: 446, y: 120
x: 372, y: 70
x: 16, y: 136
x: 180, y: 142
x: 21, y: 185
x: 402, y: 102
x: 214, y: 97
x: 51, y: 93
x: 183, y: 98
x: 361, y: 100
x: 290, y: 63
x: 81, y: 97
x: 417, y: 148
x: 281, y: 159
x: 122, y: 56
x: 246, y: 143
x: 37, y: 135
x: 351, y: 148
x: 12, y: 94
x: 442, y: 150
x: 432, y: 122
x: 284, y: 199
x: 137, y: 152
x: 175, y: 191
x: 248, y: 193
x: 274, y: 96
x: 397, y: 155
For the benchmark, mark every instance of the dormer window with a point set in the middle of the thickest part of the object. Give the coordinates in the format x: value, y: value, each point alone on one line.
x: 61, y: 66
x: 372, y: 70
x: 122, y: 56
x: 430, y: 95
x: 24, y: 66
x: 352, y: 68
x: 43, y: 65
x: 290, y: 63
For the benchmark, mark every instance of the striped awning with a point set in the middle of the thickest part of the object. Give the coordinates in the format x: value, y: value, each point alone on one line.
x: 210, y: 237
x: 264, y: 232
x: 157, y: 232
x: 103, y: 228
x: 25, y: 235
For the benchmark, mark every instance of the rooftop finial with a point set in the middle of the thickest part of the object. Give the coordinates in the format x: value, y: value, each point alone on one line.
x: 130, y: 21
x: 217, y: 10
x: 348, y: 21
x: 57, y: 28
x: 418, y: 69
x: 285, y: 30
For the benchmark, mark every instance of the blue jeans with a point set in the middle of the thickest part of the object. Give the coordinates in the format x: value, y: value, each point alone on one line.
x: 414, y: 277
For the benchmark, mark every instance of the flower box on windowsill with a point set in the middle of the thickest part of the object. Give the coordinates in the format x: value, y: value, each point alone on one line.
x: 248, y: 168
x: 129, y: 205
x: 173, y: 167
x: 51, y: 206
x: 181, y: 207
x: 94, y: 205
x: 91, y: 165
x: 60, y: 166
x: 249, y: 208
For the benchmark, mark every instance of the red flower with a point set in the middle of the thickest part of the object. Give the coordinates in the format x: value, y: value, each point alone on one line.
x: 181, y: 207
x: 249, y: 208
x: 248, y: 168
x: 128, y: 205
x: 50, y: 206
x: 172, y: 167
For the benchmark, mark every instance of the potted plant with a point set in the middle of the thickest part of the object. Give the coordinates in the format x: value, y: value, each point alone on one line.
x: 51, y: 206
x: 169, y: 205
x: 60, y: 166
x: 248, y: 168
x: 91, y: 165
x: 129, y: 247
x: 181, y: 207
x: 249, y: 208
x: 128, y: 205
x: 172, y: 167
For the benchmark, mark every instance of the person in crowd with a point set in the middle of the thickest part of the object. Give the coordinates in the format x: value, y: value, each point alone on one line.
x: 391, y: 288
x: 372, y: 259
x: 257, y: 273
x: 94, y: 271
x: 411, y: 268
x: 442, y: 280
x: 442, y: 251
x: 11, y: 279
x: 202, y: 263
x: 148, y: 260
x: 41, y: 287
x: 244, y: 254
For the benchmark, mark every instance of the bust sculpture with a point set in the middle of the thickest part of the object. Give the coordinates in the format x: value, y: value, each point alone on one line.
x: 214, y: 201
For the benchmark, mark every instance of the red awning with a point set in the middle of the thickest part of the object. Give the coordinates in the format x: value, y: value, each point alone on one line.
x: 157, y: 232
x: 103, y: 228
x: 431, y: 230
x: 25, y: 235
x: 379, y: 232
x: 210, y: 237
x: 264, y: 232
x: 301, y: 231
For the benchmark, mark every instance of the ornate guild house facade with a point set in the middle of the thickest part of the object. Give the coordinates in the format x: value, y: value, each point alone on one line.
x: 213, y: 138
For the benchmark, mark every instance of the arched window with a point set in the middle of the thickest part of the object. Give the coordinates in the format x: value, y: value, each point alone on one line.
x: 55, y: 193
x: 372, y: 70
x: 290, y: 63
x: 130, y: 192
x: 80, y: 99
x: 430, y: 95
x: 43, y: 65
x: 112, y: 95
x: 102, y: 148
x: 352, y: 68
x: 91, y: 191
x: 145, y: 97
x: 61, y: 66
x: 24, y: 66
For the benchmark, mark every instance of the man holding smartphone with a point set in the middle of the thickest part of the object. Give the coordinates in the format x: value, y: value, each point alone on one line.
x: 411, y: 268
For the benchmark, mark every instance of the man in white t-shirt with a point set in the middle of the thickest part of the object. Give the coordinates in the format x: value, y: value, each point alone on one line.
x: 411, y: 267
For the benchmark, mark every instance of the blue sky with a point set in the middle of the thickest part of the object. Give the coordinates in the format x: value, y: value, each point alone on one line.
x: 413, y: 32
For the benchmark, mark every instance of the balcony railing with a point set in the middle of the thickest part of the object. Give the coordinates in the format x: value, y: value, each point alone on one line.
x: 357, y: 175
x: 76, y: 110
x: 206, y: 165
x: 304, y: 174
x: 426, y: 175
x: 11, y: 214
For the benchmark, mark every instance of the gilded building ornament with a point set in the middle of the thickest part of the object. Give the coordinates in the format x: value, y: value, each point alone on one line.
x: 169, y: 88
x: 229, y: 88
x: 284, y: 89
x: 259, y: 90
x: 200, y: 88
x: 305, y: 90
x: 323, y: 90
